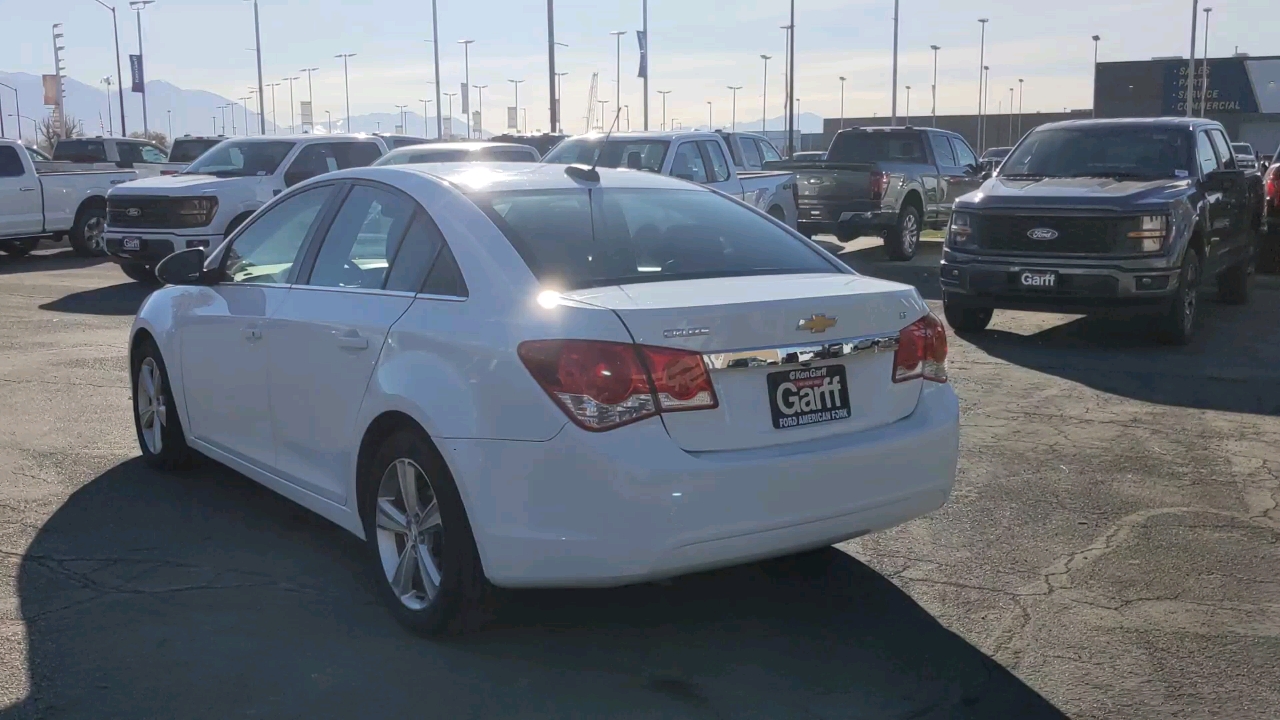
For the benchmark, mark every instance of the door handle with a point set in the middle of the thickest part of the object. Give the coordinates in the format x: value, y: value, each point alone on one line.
x: 26, y: 189
x: 252, y: 334
x: 353, y: 342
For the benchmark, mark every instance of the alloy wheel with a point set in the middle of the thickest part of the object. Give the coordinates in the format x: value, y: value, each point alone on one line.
x: 1189, y: 296
x: 910, y: 233
x: 93, y: 229
x: 150, y: 402
x: 410, y: 533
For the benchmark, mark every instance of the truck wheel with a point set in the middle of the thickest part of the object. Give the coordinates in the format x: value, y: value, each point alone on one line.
x: 967, y: 319
x: 20, y: 248
x: 1178, y: 323
x: 86, y: 233
x: 901, y: 242
x: 138, y: 272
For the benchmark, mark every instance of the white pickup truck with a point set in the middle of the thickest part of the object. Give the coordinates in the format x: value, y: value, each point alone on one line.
x: 36, y: 204
x: 700, y: 157
x: 151, y: 218
x: 105, y: 153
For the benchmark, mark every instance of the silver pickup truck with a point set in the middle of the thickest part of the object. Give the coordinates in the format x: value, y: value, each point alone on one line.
x: 700, y: 157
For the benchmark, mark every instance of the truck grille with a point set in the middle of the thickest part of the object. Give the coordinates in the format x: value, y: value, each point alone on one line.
x: 1074, y: 235
x: 144, y: 212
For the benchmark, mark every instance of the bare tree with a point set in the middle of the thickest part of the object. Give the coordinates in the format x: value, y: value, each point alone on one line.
x: 48, y: 134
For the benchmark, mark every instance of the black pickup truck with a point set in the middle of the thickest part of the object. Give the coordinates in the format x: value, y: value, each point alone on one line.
x: 892, y: 182
x: 1093, y: 215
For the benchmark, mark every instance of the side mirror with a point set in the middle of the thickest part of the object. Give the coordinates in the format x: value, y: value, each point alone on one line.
x: 185, y: 267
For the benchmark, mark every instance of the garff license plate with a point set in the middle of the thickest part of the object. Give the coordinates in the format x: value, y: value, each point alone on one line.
x: 131, y: 243
x: 1038, y: 279
x: 806, y: 396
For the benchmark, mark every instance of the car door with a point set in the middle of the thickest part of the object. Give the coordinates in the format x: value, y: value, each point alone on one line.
x: 21, y: 208
x: 951, y: 177
x: 969, y: 177
x: 1235, y: 197
x: 720, y: 176
x: 224, y: 345
x: 328, y: 332
x: 1217, y: 220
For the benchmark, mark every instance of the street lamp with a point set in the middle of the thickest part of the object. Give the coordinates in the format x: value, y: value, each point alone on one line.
x: 986, y: 105
x: 17, y: 108
x: 559, y: 94
x: 311, y: 97
x: 617, y: 97
x: 403, y: 121
x: 934, y: 89
x: 232, y: 105
x: 516, y: 85
x: 1191, y: 71
x: 602, y: 104
x: 1019, y: 107
x: 894, y: 101
x: 710, y: 125
x: 466, y: 80
x: 664, y: 94
x: 764, y: 96
x: 982, y: 62
x: 1096, y: 39
x: 119, y: 86
x: 908, y: 118
x: 627, y: 108
x: 262, y: 119
x: 480, y: 111
x: 733, y: 112
x: 292, y: 117
x: 329, y: 116
x: 244, y: 101
x: 1204, y: 91
x: 262, y: 93
x: 346, y: 85
x: 110, y: 127
x: 275, y: 126
x: 451, y: 96
x: 842, y: 79
x: 137, y: 6
x: 1011, y: 116
x: 424, y: 102
x: 34, y: 128
x: 220, y: 108
x: 170, y: 114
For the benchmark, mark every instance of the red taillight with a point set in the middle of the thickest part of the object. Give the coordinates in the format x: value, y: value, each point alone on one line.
x: 1273, y: 184
x: 879, y: 184
x: 605, y: 385
x: 922, y: 351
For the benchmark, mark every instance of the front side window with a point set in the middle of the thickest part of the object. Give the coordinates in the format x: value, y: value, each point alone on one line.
x: 10, y: 162
x: 1204, y: 154
x: 362, y: 240
x: 964, y: 155
x: 687, y: 164
x: 942, y: 150
x: 267, y: 250
x: 241, y: 158
x: 751, y: 154
x: 769, y: 151
x: 642, y: 235
x: 719, y: 165
x: 1225, y: 157
x: 1119, y: 151
x: 86, y: 151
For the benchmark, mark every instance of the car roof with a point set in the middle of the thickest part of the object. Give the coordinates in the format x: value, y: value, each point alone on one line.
x: 499, y: 177
x: 648, y: 135
x: 1172, y: 123
x: 470, y: 146
x: 307, y: 137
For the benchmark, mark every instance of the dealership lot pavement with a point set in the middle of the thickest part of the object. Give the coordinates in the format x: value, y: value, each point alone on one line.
x: 1110, y: 552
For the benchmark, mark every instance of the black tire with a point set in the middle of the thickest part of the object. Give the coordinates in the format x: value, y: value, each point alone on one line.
x: 461, y: 599
x: 86, y: 233
x: 901, y: 242
x: 138, y: 272
x: 20, y: 248
x: 172, y: 452
x: 846, y: 236
x: 1177, y: 324
x: 1233, y: 284
x: 964, y: 319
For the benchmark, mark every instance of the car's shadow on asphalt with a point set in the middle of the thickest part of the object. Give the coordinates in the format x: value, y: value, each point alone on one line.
x: 204, y: 595
x: 122, y: 299
x: 61, y: 259
x: 921, y: 271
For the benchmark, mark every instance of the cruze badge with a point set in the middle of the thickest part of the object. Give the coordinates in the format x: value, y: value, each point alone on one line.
x: 133, y: 212
x: 1042, y: 234
x: 818, y: 323
x: 686, y: 332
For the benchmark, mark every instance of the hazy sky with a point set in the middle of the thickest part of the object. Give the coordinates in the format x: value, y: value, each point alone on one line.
x: 697, y: 49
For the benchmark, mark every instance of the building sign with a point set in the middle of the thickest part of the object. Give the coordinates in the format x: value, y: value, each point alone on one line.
x: 50, y: 89
x: 1222, y: 86
x: 511, y: 118
x: 304, y: 108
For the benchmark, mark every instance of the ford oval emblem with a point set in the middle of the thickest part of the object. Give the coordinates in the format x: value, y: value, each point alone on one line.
x: 1042, y: 234
x: 133, y: 212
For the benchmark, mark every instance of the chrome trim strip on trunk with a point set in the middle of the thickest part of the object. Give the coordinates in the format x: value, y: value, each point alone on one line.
x: 798, y: 354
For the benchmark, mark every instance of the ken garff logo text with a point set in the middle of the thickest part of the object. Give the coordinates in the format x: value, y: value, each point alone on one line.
x: 1042, y: 234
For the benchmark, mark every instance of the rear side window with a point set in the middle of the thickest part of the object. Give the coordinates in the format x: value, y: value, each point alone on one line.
x: 942, y: 150
x: 320, y: 158
x: 80, y: 151
x: 642, y: 235
x: 129, y: 152
x: 751, y: 154
x: 872, y: 146
x: 364, y: 235
x: 687, y: 164
x: 10, y: 162
x: 719, y: 164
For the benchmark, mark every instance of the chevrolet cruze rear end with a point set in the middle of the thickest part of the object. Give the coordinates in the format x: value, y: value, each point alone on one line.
x: 618, y: 379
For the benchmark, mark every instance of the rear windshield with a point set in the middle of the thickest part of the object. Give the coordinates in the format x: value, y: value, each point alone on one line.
x: 241, y: 158
x: 80, y: 151
x: 423, y: 156
x: 1242, y: 148
x: 634, y: 154
x: 864, y: 146
x: 996, y: 153
x: 399, y: 142
x: 187, y: 150
x: 642, y: 235
x: 1138, y: 151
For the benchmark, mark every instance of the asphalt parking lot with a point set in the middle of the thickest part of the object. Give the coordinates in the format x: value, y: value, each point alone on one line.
x: 1110, y: 551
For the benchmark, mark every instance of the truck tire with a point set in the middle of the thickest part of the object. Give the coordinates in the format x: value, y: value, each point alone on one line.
x: 86, y: 233
x: 141, y: 273
x: 1177, y: 324
x: 19, y: 248
x: 964, y: 319
x: 901, y: 242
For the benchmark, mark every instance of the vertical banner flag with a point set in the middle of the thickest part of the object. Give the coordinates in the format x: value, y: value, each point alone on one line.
x: 135, y: 73
x: 643, y: 40
x: 511, y: 118
x: 50, y: 89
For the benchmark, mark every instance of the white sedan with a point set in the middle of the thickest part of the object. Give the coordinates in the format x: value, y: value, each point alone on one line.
x: 534, y: 376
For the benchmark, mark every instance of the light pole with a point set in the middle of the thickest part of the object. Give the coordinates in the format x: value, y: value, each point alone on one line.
x: 244, y: 101
x: 617, y: 90
x: 786, y: 74
x: 214, y: 118
x: 934, y: 88
x: 1019, y: 107
x: 480, y: 111
x: 275, y: 126
x: 170, y: 114
x: 986, y: 105
x: 262, y: 92
x: 602, y: 104
x: 435, y: 64
x: 403, y: 122
x: 221, y: 108
x: 17, y: 109
x: 1191, y: 72
x: 34, y: 128
x: 137, y: 6
x: 424, y: 102
x: 627, y: 110
x: 559, y: 94
x: 553, y: 78
x: 516, y: 85
x: 451, y: 96
x: 664, y: 94
x: 710, y: 126
x: 1010, y: 116
x: 908, y: 116
x: 764, y: 96
x: 894, y: 101
x: 231, y: 105
x: 466, y: 80
x: 262, y: 119
x: 329, y: 115
x: 792, y: 111
x: 644, y: 28
x: 1204, y: 91
x: 1096, y: 39
x: 120, y: 85
x: 733, y: 113
x: 110, y: 127
x: 982, y: 62
x: 346, y: 83
x: 842, y: 79
x: 311, y: 96
x: 292, y: 117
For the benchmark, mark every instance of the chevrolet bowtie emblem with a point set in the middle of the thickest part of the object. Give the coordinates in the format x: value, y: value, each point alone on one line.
x: 816, y: 323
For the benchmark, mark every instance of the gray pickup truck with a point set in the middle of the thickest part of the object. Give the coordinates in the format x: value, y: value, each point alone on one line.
x: 891, y: 182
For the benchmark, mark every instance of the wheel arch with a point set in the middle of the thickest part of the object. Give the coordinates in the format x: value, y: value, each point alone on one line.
x: 386, y: 424
x: 915, y: 199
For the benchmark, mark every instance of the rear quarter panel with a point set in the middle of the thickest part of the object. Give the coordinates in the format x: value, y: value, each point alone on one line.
x: 765, y: 190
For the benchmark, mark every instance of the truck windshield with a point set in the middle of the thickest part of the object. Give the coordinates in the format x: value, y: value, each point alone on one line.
x: 188, y: 150
x: 242, y: 158
x: 634, y: 154
x: 642, y: 235
x: 859, y: 146
x: 1155, y: 152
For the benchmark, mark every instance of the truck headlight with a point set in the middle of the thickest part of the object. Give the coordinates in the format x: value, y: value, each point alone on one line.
x: 1151, y: 233
x: 960, y: 232
x: 197, y: 212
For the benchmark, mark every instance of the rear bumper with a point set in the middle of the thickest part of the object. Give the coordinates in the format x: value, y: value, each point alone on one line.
x: 627, y: 506
x: 845, y: 218
x: 1083, y: 285
x: 154, y: 246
